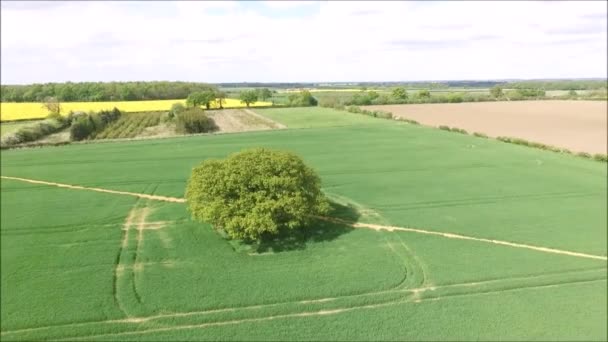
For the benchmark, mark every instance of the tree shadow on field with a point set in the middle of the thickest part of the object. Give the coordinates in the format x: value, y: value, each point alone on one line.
x: 318, y: 231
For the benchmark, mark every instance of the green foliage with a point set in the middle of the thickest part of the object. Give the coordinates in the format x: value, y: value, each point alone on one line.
x: 176, y: 108
x: 193, y: 121
x: 87, y: 126
x: 256, y: 193
x: 331, y: 102
x: 248, y: 97
x: 400, y: 93
x: 82, y: 128
x: 454, y: 98
x: 306, y: 99
x: 410, y: 121
x: 53, y: 106
x: 559, y: 85
x: 264, y: 94
x: 34, y: 132
x: 480, y: 135
x: 496, y: 92
x: 361, y: 99
x: 100, y: 91
x: 519, y: 141
x: 423, y: 94
x: 459, y: 130
x: 530, y: 92
x: 301, y: 99
x: 453, y: 129
x: 200, y: 98
x: 221, y: 98
x: 601, y: 157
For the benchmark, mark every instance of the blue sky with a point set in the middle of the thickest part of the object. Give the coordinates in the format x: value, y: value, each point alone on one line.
x: 307, y: 41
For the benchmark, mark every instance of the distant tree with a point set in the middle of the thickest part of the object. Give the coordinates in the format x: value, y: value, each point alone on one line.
x: 53, y: 106
x: 248, y: 97
x: 194, y: 120
x: 256, y: 193
x: 221, y: 98
x: 361, y: 99
x: 423, y: 94
x: 306, y: 99
x: 372, y: 95
x: 264, y: 94
x: 572, y: 93
x: 400, y: 93
x: 200, y: 98
x: 292, y: 99
x: 196, y: 99
x: 176, y: 108
x: 496, y: 92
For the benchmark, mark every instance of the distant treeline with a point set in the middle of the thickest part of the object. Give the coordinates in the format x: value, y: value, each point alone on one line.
x: 99, y: 91
x: 559, y: 85
x: 163, y: 90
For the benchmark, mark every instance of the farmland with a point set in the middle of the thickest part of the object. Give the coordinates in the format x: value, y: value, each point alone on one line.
x: 425, y: 262
x: 580, y: 126
x: 34, y: 110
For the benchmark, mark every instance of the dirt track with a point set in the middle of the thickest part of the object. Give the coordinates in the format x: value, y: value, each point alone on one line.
x: 576, y: 125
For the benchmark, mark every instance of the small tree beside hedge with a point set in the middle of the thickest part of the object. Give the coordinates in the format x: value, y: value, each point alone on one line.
x: 194, y: 120
x: 255, y: 193
x: 85, y: 126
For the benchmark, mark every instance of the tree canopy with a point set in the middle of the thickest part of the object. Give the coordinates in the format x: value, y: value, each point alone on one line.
x: 255, y: 193
x: 248, y: 97
x: 101, y: 91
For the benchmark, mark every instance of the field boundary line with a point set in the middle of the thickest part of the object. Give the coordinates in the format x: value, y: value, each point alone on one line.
x: 461, y: 237
x: 116, y: 192
x: 340, y: 221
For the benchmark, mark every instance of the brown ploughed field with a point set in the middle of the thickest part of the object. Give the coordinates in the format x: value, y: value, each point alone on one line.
x: 579, y: 126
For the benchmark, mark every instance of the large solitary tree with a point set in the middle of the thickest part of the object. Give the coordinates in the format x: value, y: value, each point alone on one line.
x: 255, y: 193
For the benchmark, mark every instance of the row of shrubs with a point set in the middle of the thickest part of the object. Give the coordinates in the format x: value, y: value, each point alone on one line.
x: 190, y: 120
x: 87, y: 126
x: 453, y: 129
x: 36, y: 131
x: 375, y: 113
x: 519, y: 141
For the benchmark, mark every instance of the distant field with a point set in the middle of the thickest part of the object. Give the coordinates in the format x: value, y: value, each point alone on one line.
x: 307, y: 117
x: 86, y: 265
x: 580, y: 126
x: 30, y: 110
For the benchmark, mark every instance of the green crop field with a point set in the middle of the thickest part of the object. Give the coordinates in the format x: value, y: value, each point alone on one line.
x: 459, y: 238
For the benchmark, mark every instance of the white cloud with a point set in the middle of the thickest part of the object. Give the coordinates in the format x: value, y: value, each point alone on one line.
x: 226, y: 41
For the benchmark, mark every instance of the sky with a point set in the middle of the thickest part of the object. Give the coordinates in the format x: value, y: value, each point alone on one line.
x: 301, y: 41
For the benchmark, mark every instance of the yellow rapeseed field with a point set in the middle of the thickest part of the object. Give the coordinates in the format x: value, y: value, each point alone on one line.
x: 34, y: 110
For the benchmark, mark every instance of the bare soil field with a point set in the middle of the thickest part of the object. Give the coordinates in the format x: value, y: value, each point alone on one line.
x: 576, y: 125
x: 241, y: 120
